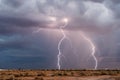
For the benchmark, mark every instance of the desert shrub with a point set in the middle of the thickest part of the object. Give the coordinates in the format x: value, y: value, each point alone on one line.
x: 104, y: 73
x: 26, y: 74
x: 59, y: 74
x: 72, y: 73
x: 37, y: 78
x: 41, y: 74
x: 3, y: 73
x: 118, y: 72
x: 10, y: 78
x: 65, y: 74
x: 112, y: 73
x: 21, y: 75
x: 96, y: 74
x: 17, y: 75
x: 84, y: 70
x: 82, y: 74
x: 41, y: 79
x: 52, y: 69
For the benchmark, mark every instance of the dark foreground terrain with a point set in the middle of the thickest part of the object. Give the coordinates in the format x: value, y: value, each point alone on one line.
x: 59, y: 74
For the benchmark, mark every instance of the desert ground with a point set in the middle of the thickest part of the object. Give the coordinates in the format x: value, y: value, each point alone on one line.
x: 59, y: 74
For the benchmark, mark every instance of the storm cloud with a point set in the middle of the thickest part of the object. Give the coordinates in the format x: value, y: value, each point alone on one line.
x: 28, y: 36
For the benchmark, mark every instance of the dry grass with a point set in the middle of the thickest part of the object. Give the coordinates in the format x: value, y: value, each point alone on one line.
x: 60, y: 75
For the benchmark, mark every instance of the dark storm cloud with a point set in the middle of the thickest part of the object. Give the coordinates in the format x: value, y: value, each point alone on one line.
x: 96, y: 0
x: 25, y: 50
x: 12, y: 24
x: 13, y: 3
x: 94, y: 13
x: 15, y: 21
x: 20, y: 18
x: 50, y: 8
x: 116, y: 1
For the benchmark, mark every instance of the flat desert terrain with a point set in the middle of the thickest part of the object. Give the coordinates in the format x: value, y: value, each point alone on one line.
x: 59, y: 74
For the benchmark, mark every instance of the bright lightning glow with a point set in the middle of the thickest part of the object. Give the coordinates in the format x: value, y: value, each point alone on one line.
x: 65, y: 20
x: 92, y: 48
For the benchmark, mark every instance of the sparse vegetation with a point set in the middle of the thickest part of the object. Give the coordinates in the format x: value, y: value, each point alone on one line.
x: 39, y: 78
x: 43, y: 74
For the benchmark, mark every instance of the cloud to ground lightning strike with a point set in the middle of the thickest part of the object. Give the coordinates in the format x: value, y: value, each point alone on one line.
x: 92, y: 48
x: 65, y: 20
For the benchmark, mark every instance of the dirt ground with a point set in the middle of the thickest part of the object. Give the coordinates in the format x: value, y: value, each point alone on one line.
x: 67, y: 78
x: 84, y: 78
x: 60, y: 75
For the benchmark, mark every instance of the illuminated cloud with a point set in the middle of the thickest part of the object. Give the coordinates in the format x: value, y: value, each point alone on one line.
x: 20, y: 18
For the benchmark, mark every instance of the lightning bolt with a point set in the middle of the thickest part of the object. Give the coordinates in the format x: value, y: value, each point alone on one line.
x: 60, y: 42
x: 93, y: 48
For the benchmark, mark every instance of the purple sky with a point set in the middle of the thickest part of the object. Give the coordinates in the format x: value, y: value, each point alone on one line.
x: 29, y: 39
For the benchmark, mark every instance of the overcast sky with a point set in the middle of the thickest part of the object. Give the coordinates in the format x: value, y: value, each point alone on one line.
x: 29, y: 38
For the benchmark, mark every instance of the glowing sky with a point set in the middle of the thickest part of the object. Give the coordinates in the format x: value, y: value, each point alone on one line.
x: 29, y: 33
